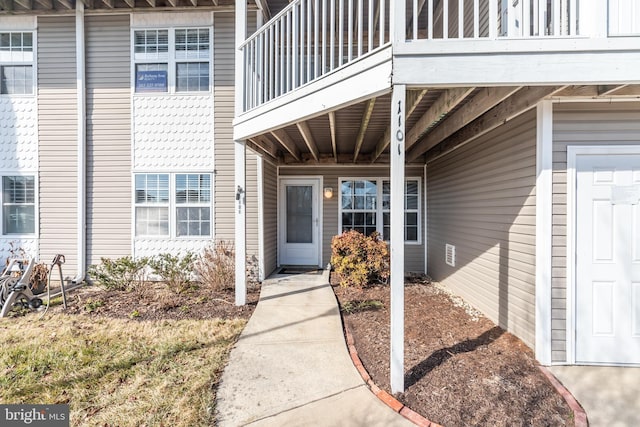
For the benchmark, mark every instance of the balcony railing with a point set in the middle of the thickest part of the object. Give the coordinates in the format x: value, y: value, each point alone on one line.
x: 311, y: 38
x: 307, y: 40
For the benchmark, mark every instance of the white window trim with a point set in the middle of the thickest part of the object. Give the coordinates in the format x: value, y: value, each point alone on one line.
x: 36, y: 208
x: 379, y: 209
x: 171, y: 61
x: 172, y: 206
x: 32, y: 63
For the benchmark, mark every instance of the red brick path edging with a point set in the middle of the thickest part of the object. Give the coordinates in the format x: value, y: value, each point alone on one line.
x: 385, y: 397
x: 579, y: 415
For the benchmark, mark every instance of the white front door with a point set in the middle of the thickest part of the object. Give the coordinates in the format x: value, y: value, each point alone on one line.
x: 300, y: 222
x: 607, y: 259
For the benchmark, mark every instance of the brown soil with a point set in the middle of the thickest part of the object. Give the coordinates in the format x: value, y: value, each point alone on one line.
x: 460, y: 368
x: 155, y: 301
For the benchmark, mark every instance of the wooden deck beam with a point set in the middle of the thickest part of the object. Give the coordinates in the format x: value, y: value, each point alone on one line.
x: 284, y: 140
x: 332, y: 129
x: 483, y: 101
x: 364, y: 124
x: 525, y: 99
x: 307, y: 135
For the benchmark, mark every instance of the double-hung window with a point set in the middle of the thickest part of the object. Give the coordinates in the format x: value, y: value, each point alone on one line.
x: 365, y: 207
x: 172, y: 205
x: 16, y: 63
x: 172, y: 60
x: 18, y: 205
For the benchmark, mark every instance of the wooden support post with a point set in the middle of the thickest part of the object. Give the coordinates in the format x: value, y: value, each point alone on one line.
x: 397, y: 150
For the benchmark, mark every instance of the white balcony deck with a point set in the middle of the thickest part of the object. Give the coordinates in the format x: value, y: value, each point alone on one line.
x: 317, y: 56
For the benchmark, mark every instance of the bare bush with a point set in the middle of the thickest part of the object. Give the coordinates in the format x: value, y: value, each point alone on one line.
x: 216, y: 266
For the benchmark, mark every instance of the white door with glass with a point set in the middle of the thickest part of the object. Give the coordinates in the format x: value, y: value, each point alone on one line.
x: 607, y: 258
x: 300, y: 222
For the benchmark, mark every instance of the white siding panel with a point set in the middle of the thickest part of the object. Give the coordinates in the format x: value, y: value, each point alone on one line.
x: 580, y: 124
x: 481, y: 199
x: 57, y: 132
x: 18, y: 133
x: 173, y: 132
x: 108, y: 137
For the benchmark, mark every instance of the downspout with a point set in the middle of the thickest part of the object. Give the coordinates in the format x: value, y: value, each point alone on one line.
x: 81, y: 147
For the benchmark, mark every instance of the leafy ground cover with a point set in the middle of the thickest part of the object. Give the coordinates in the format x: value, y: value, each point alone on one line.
x: 149, y: 357
x: 460, y: 368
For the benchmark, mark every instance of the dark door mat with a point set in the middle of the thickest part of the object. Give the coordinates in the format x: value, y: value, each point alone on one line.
x: 298, y: 270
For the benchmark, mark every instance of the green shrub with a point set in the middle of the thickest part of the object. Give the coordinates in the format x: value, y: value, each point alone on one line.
x: 123, y: 274
x: 175, y: 270
x: 360, y: 259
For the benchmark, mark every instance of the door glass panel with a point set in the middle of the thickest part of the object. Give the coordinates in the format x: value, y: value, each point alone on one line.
x: 299, y: 214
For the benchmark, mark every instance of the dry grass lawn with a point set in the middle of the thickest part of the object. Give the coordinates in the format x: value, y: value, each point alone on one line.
x: 117, y: 372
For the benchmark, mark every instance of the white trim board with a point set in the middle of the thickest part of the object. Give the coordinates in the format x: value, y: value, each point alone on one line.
x: 573, y: 151
x: 544, y: 232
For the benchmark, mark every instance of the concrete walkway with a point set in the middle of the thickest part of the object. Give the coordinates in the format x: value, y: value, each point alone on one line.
x: 291, y: 366
x: 609, y: 396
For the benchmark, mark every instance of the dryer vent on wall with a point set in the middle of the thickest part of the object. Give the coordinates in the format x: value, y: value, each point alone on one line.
x: 450, y: 255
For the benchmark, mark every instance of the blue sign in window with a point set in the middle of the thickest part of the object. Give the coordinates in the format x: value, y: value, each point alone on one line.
x: 151, y: 81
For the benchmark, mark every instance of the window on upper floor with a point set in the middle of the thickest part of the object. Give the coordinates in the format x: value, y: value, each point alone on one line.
x: 173, y: 205
x: 365, y: 206
x: 18, y: 205
x: 16, y: 63
x: 172, y: 60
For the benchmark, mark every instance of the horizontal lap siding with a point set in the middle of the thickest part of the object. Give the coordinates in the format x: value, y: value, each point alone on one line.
x: 481, y: 199
x: 579, y: 124
x: 413, y: 254
x: 108, y: 137
x: 270, y: 214
x: 223, y: 66
x: 57, y: 134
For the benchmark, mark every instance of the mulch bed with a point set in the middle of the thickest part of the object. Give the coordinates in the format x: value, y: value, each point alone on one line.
x: 155, y: 301
x: 460, y: 368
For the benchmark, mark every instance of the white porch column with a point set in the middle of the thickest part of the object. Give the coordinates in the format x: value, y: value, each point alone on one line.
x: 544, y: 205
x: 240, y: 162
x: 397, y: 149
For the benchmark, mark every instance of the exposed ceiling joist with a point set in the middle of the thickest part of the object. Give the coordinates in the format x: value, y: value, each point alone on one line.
x: 47, y: 4
x: 67, y: 4
x: 525, y: 99
x: 413, y: 100
x: 627, y: 90
x: 256, y: 145
x: 303, y: 127
x: 332, y: 129
x: 443, y: 105
x: 483, y: 101
x: 600, y: 91
x: 364, y: 124
x: 130, y: 3
x: 194, y: 3
x: 215, y: 2
x: 286, y: 142
x: 26, y: 4
x: 605, y: 90
x: 268, y: 145
x: 152, y: 3
x: 173, y: 3
x: 109, y: 3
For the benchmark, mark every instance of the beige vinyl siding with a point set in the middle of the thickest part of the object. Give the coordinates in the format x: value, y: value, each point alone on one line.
x: 223, y: 75
x: 252, y: 212
x: 108, y: 71
x: 270, y: 214
x: 594, y: 123
x: 57, y: 133
x: 481, y: 199
x: 414, y: 253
